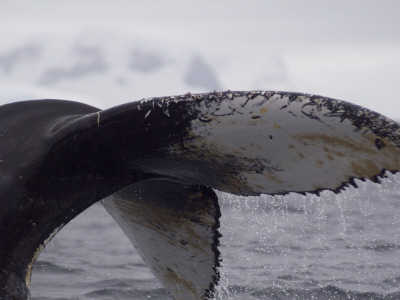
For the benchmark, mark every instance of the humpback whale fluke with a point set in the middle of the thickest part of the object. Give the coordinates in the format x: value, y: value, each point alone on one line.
x: 156, y: 163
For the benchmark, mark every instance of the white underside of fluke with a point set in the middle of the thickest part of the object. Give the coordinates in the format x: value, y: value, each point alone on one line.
x: 176, y: 244
x: 274, y: 144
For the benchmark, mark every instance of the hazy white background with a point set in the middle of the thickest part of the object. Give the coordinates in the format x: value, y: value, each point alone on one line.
x: 109, y: 52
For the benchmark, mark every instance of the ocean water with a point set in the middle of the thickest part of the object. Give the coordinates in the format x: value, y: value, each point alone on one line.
x: 344, y: 246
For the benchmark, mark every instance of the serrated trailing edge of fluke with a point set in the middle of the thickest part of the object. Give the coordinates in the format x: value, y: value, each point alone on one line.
x: 206, y: 109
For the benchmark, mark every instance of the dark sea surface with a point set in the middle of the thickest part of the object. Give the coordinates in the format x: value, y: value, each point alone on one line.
x: 344, y: 246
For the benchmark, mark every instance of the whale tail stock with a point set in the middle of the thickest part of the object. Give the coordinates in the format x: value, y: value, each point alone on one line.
x: 156, y: 162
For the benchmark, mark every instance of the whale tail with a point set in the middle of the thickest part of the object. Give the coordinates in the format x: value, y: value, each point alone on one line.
x: 156, y: 163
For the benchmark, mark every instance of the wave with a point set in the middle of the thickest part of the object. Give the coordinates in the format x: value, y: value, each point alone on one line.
x: 49, y: 267
x: 106, y: 293
x: 379, y: 247
x: 329, y: 292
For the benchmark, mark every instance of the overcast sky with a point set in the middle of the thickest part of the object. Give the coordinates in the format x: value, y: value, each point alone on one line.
x: 109, y: 52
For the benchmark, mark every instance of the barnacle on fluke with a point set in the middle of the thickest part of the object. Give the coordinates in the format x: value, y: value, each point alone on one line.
x: 156, y: 164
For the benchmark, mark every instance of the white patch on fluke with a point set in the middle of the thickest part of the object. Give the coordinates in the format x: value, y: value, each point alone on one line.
x: 281, y: 145
x: 147, y: 114
x: 176, y: 244
x: 98, y: 119
x: 37, y: 253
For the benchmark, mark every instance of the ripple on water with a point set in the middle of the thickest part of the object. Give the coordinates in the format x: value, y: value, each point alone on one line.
x: 116, y: 293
